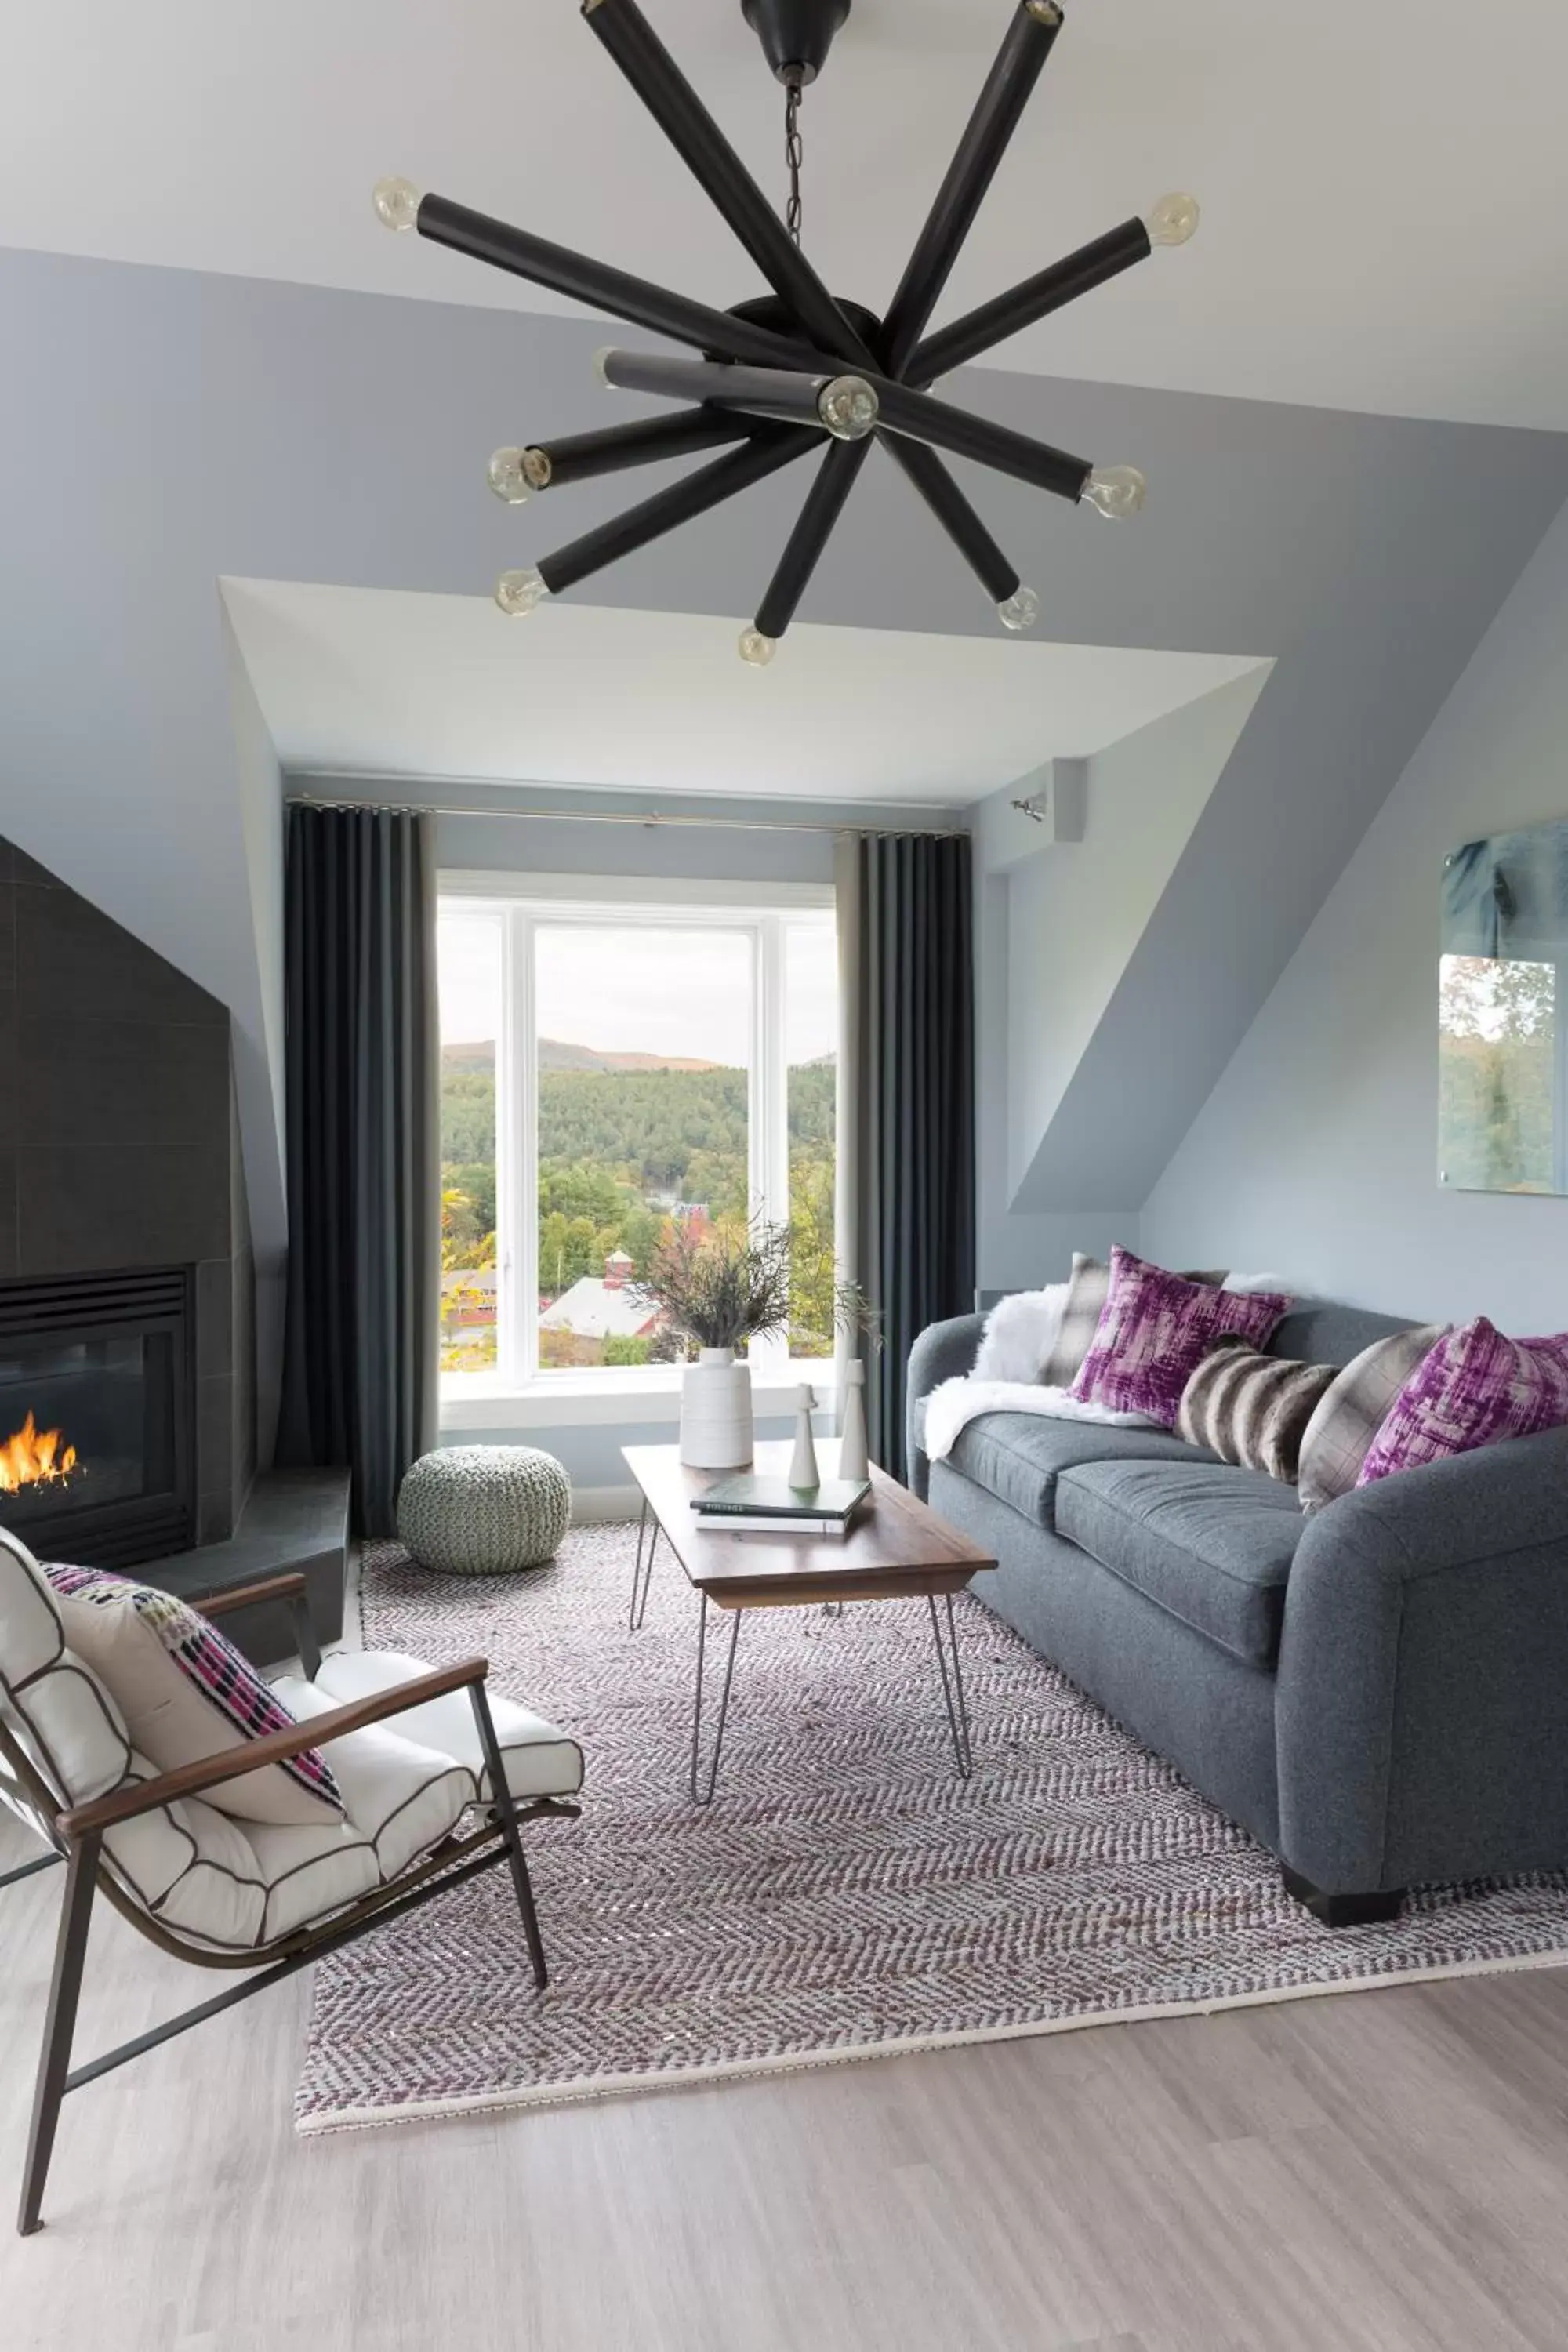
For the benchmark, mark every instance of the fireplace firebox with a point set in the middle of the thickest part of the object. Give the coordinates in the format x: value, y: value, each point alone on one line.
x: 97, y: 1415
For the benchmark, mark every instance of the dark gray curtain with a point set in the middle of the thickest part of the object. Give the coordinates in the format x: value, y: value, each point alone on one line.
x: 360, y: 1354
x: 916, y: 1106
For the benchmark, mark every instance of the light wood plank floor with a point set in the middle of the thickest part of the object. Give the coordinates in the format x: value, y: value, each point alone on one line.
x: 1380, y: 2170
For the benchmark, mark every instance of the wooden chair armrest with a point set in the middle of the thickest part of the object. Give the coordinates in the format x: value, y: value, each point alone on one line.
x: 287, y: 1587
x: 234, y: 1763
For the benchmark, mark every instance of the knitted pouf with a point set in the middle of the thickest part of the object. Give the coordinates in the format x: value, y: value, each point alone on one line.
x: 481, y: 1510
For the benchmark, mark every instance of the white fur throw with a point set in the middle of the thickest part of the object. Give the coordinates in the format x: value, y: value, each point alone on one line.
x: 954, y: 1404
x: 1020, y: 1332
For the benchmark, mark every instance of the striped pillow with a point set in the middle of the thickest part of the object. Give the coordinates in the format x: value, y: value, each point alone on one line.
x: 1252, y: 1409
x: 1088, y: 1286
x: 1340, y: 1434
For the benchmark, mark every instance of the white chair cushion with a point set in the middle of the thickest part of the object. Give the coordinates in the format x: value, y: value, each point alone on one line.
x: 30, y: 1635
x: 192, y: 1868
x: 309, y: 1873
x: 235, y: 1884
x: 73, y: 1730
x: 404, y: 1798
x: 74, y: 1734
x: 540, y: 1760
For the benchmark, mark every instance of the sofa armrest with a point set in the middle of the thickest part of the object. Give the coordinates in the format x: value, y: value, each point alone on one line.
x: 945, y: 1351
x: 1422, y: 1707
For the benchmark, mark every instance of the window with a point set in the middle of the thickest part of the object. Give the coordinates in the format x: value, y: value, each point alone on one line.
x: 607, y: 1070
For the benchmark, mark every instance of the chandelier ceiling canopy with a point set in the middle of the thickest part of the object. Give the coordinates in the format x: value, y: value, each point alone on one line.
x: 798, y: 370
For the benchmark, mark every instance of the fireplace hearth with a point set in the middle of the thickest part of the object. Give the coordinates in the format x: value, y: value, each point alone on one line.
x: 97, y: 1437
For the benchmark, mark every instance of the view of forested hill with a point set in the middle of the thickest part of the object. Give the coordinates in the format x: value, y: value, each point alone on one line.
x: 623, y: 1139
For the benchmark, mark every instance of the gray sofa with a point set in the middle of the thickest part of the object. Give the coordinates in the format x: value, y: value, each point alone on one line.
x: 1378, y: 1692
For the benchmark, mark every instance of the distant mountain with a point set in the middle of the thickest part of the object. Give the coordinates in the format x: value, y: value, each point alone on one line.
x: 554, y: 1054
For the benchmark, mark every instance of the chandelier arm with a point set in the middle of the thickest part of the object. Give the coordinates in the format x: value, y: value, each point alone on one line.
x: 1036, y: 297
x: 580, y: 457
x: 930, y: 478
x: 631, y: 42
x: 917, y: 414
x: 762, y: 392
x: 603, y: 289
x: 668, y: 508
x: 1028, y: 43
x: 835, y: 478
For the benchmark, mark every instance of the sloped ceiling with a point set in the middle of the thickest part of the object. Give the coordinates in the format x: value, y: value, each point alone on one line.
x: 1077, y: 914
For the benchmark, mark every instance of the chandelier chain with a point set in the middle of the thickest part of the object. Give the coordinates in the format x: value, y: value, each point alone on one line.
x: 794, y: 157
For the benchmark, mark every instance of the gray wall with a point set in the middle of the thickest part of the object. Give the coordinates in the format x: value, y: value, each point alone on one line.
x: 1318, y: 1151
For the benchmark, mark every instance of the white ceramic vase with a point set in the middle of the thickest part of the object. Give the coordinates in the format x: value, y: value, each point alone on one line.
x: 716, y: 1412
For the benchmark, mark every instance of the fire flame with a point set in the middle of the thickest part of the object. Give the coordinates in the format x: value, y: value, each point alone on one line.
x: 34, y: 1457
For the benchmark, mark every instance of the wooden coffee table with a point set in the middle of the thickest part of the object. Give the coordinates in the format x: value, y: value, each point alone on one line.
x: 897, y: 1549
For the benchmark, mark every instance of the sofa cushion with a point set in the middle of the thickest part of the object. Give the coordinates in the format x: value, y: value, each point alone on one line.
x: 1210, y: 1544
x: 1018, y: 1456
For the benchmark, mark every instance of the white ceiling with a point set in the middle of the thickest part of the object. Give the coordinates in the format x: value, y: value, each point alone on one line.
x: 1385, y: 226
x: 390, y: 681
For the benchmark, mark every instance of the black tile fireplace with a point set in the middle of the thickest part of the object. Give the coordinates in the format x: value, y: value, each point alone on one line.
x: 126, y: 1282
x: 128, y: 1434
x: 97, y: 1415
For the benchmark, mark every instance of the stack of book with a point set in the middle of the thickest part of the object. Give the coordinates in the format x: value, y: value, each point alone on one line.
x: 746, y: 1503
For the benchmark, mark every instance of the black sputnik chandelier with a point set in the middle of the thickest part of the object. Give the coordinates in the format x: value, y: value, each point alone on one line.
x: 797, y: 369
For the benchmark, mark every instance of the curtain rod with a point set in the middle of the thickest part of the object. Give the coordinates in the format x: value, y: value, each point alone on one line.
x: 620, y: 816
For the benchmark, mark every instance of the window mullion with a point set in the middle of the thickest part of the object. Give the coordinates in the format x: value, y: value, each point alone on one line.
x: 518, y: 1125
x: 771, y: 1103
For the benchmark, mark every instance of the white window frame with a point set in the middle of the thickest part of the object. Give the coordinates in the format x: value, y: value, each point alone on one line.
x: 523, y: 907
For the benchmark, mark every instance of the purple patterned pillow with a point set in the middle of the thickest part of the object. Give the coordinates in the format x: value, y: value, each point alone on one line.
x: 1155, y: 1329
x: 1476, y: 1388
x: 186, y: 1692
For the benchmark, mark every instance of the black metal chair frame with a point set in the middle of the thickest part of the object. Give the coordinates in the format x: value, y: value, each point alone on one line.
x: 76, y: 1833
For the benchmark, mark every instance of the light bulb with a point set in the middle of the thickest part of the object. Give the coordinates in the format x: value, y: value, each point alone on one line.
x: 521, y: 593
x: 1020, y: 610
x: 757, y: 649
x: 508, y: 475
x: 1115, y: 491
x: 848, y: 407
x: 605, y: 353
x: 396, y: 203
x: 1172, y: 220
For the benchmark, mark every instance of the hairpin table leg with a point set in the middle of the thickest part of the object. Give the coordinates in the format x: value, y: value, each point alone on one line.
x: 952, y: 1685
x: 642, y: 1570
x: 724, y: 1703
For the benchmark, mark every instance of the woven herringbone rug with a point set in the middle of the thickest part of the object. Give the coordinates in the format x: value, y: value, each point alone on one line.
x: 845, y: 1896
